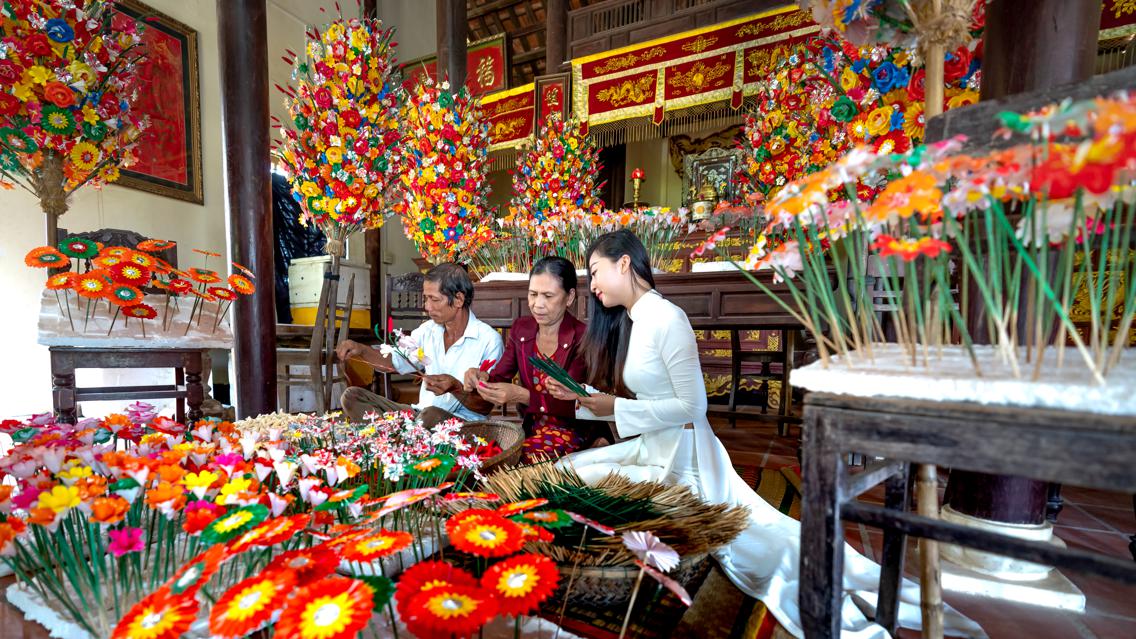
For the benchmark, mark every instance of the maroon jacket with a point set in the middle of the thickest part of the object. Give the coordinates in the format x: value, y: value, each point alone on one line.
x: 514, y: 362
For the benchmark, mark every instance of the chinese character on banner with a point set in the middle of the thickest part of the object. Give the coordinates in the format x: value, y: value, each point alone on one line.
x: 552, y: 95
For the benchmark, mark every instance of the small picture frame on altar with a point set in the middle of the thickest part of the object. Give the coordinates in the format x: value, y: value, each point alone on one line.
x: 553, y: 96
x: 715, y: 168
x: 169, y: 152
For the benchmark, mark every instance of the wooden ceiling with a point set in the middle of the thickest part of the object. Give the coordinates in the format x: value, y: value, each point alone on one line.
x: 524, y: 22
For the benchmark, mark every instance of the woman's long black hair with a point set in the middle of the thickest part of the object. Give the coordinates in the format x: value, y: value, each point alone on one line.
x: 609, y: 329
x: 557, y: 267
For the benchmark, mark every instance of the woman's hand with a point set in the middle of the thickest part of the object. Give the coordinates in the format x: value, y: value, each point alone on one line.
x: 472, y: 377
x: 503, y: 393
x: 559, y: 391
x: 601, y: 404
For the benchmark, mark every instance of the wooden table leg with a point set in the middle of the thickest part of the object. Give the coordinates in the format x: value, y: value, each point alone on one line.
x: 896, y: 497
x: 822, y: 533
x: 194, y: 391
x: 930, y: 572
x: 63, y: 389
x: 789, y: 343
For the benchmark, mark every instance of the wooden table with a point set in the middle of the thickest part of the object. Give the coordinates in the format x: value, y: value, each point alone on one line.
x: 1083, y: 449
x: 187, y: 388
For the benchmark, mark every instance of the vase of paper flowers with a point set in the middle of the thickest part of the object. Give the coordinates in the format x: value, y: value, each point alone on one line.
x: 67, y: 88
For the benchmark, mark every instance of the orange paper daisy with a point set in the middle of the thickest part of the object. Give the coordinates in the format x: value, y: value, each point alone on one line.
x: 91, y: 285
x: 195, y: 574
x: 270, y: 533
x: 44, y: 257
x: 117, y: 251
x: 450, y: 610
x: 207, y: 253
x: 160, y: 615
x: 520, y: 506
x: 522, y: 582
x: 488, y: 537
x: 124, y: 295
x: 152, y: 246
x: 204, y: 276
x: 222, y: 293
x: 332, y: 608
x: 59, y: 281
x: 308, y: 564
x: 378, y: 544
x: 242, y: 284
x: 250, y: 604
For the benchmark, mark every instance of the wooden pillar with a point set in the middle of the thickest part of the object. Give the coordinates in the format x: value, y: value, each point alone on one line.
x: 243, y: 40
x: 1027, y: 46
x: 374, y: 238
x: 452, y: 31
x: 556, y: 34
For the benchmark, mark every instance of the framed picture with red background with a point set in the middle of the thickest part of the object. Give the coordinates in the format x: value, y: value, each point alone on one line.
x: 169, y: 92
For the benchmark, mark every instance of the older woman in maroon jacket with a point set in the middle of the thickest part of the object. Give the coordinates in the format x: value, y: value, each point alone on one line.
x: 551, y: 427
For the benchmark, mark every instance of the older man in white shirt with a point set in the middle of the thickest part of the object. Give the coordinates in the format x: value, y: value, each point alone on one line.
x: 453, y: 340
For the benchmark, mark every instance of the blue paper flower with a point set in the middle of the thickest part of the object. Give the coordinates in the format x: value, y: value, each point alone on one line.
x: 883, y: 78
x: 59, y: 31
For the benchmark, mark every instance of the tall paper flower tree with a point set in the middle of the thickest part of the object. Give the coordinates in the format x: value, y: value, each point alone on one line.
x: 442, y: 163
x: 67, y: 85
x: 344, y: 123
x: 556, y: 174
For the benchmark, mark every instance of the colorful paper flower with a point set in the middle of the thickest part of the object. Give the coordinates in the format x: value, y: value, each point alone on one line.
x: 489, y: 536
x: 521, y: 583
x: 591, y: 523
x: 651, y: 549
x: 332, y: 608
x: 155, y: 246
x: 271, y: 532
x: 250, y: 604
x: 160, y: 615
x: 130, y: 273
x: 450, y: 610
x: 79, y: 248
x: 378, y: 544
x: 125, y: 541
x: 124, y: 295
x: 241, y: 284
x: 203, y: 276
x: 434, y: 467
x: 140, y: 311
x: 92, y: 285
x: 545, y: 518
x: 222, y: 293
x: 309, y: 564
x: 427, y: 575
x: 909, y: 249
x: 198, y: 571
x: 235, y: 523
x: 60, y: 281
x: 515, y: 507
x: 44, y: 257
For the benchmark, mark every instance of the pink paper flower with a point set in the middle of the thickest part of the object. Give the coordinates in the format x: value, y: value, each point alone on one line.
x: 125, y: 541
x: 651, y: 550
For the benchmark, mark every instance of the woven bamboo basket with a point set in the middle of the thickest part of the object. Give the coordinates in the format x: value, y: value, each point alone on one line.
x: 607, y: 586
x: 508, y: 435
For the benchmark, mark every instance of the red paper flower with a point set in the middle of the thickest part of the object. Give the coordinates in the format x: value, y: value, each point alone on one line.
x: 204, y: 276
x: 190, y: 577
x: 181, y: 287
x: 222, y: 293
x: 378, y: 544
x: 520, y: 506
x: 44, y: 257
x: 130, y: 273
x: 250, y: 604
x: 309, y: 564
x: 241, y: 284
x: 522, y: 582
x: 270, y: 533
x: 141, y: 311
x: 449, y: 610
x: 488, y: 536
x: 909, y: 249
x: 159, y: 615
x: 332, y: 608
x: 243, y: 269
x: 155, y: 246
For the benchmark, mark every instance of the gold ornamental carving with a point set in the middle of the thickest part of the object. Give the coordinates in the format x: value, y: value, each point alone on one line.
x: 504, y: 106
x: 788, y: 21
x: 506, y: 129
x: 699, y: 44
x: 766, y: 56
x: 630, y: 60
x: 698, y: 77
x: 628, y: 91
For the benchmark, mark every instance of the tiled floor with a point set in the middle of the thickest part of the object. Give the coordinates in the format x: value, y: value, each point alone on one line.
x: 1091, y: 520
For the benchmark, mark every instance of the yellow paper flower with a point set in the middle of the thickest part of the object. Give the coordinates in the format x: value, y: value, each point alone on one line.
x: 85, y: 156
x: 879, y: 120
x: 234, y: 487
x: 60, y: 499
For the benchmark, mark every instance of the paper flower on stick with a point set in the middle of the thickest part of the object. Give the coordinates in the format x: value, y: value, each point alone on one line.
x: 159, y: 615
x: 332, y: 608
x: 344, y: 127
x: 443, y: 161
x: 450, y: 610
x: 557, y: 174
x: 651, y: 550
x: 521, y: 583
x: 250, y: 604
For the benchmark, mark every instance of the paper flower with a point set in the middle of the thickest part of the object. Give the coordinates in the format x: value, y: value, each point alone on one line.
x: 650, y: 549
x: 332, y: 608
x: 308, y: 564
x: 450, y: 610
x: 124, y: 295
x: 198, y: 571
x: 270, y: 533
x: 250, y: 604
x: 242, y: 284
x: 515, y: 507
x: 125, y: 541
x: 428, y: 574
x: 343, y: 132
x: 479, y: 496
x: 522, y: 582
x: 79, y: 248
x: 556, y: 174
x: 140, y: 311
x: 44, y: 257
x: 375, y: 545
x: 160, y: 615
x: 155, y: 246
x: 668, y: 583
x: 545, y: 518
x: 488, y: 536
x: 443, y: 162
x: 130, y: 273
x: 234, y: 523
x: 434, y: 467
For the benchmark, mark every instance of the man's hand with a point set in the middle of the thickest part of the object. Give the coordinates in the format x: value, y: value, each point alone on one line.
x: 472, y: 377
x: 501, y: 394
x: 352, y: 350
x: 442, y: 384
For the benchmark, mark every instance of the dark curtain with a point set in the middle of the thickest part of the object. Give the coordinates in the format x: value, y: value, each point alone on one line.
x: 293, y: 240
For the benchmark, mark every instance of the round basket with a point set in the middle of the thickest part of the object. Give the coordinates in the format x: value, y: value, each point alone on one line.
x: 606, y: 586
x: 508, y: 435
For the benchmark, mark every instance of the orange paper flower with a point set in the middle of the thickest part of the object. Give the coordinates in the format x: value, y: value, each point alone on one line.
x: 522, y: 582
x: 44, y: 257
x: 488, y: 537
x: 450, y: 610
x: 250, y: 604
x: 332, y: 608
x: 378, y: 544
x: 160, y: 615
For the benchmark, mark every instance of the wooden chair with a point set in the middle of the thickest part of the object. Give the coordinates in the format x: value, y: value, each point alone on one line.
x: 323, y: 372
x: 403, y: 301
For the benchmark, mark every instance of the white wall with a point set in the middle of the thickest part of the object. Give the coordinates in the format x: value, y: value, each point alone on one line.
x: 25, y: 380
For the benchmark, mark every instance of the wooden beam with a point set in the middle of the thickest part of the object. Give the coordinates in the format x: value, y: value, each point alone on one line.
x: 556, y: 34
x: 243, y: 44
x: 492, y: 7
x: 529, y: 56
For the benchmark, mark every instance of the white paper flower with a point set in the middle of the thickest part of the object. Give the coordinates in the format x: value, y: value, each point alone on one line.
x: 651, y: 550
